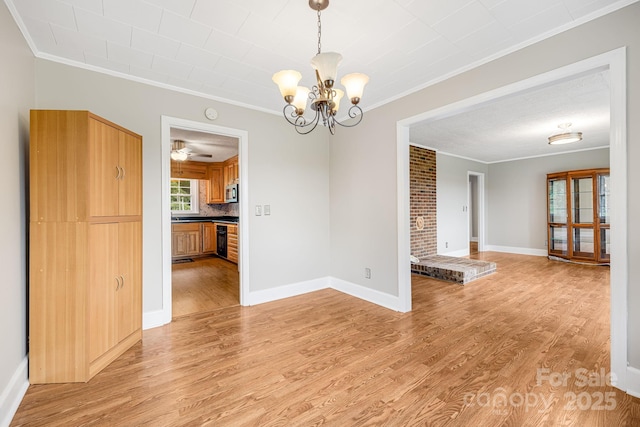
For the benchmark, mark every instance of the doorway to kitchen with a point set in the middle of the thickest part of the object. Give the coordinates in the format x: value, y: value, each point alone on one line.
x: 204, y: 221
x: 204, y: 243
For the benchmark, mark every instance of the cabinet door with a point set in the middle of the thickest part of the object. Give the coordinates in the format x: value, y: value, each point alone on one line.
x: 103, y: 285
x: 232, y: 243
x: 185, y: 243
x: 129, y: 295
x: 209, y: 238
x: 216, y: 185
x: 104, y: 171
x: 130, y: 160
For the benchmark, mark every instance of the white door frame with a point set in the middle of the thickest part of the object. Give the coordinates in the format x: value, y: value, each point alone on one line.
x: 616, y: 62
x: 243, y: 231
x: 480, y: 208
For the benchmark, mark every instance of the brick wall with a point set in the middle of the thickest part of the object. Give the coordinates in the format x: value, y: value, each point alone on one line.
x: 422, y: 190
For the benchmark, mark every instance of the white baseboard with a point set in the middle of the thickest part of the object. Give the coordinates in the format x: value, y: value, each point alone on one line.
x: 633, y: 381
x: 459, y: 253
x: 14, y: 392
x: 286, y: 291
x: 376, y: 297
x: 516, y: 250
x: 153, y: 319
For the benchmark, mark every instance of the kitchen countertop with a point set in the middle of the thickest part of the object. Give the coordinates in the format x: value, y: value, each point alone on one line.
x: 221, y: 219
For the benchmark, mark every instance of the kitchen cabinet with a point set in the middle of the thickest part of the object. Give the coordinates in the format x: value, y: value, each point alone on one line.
x: 85, y: 252
x: 189, y: 169
x: 215, y: 191
x: 231, y: 171
x: 209, y: 243
x: 186, y: 240
x: 232, y: 243
x: 578, y: 226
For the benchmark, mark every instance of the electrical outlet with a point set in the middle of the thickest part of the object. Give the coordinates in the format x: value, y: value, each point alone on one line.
x: 267, y: 209
x: 367, y: 273
x: 258, y: 210
x: 545, y: 243
x: 446, y: 245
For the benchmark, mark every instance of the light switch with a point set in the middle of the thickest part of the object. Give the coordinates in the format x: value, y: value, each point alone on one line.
x: 267, y: 209
x: 258, y: 210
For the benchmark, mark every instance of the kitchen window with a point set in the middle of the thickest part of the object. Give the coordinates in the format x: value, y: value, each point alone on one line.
x: 184, y: 196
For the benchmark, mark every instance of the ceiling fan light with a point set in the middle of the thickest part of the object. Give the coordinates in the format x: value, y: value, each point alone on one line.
x: 179, y: 156
x: 354, y: 83
x: 287, y: 81
x: 327, y: 66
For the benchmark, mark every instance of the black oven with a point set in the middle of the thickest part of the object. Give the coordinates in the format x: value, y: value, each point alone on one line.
x: 221, y: 240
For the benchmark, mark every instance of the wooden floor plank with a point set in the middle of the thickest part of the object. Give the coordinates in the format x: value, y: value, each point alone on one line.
x: 204, y: 284
x: 326, y: 358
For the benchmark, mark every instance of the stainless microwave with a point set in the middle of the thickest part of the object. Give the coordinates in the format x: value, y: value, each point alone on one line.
x: 231, y: 193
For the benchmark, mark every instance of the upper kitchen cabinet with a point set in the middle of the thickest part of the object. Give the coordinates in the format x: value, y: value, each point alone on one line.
x: 231, y: 171
x: 215, y: 191
x: 102, y: 164
x: 189, y: 169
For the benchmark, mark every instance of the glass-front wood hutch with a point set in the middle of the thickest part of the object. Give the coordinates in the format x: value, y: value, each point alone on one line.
x: 578, y: 215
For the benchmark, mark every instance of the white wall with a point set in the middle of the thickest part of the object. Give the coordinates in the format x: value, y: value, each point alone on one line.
x: 286, y: 170
x: 16, y: 97
x: 517, y: 196
x: 364, y: 226
x: 452, y: 186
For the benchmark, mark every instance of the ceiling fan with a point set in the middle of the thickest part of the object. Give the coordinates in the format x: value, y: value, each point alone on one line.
x: 180, y: 152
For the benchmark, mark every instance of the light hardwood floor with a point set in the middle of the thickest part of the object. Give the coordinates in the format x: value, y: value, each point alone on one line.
x: 326, y: 358
x: 205, y: 284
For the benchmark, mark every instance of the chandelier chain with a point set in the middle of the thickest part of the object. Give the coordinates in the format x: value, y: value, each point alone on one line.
x: 319, y: 32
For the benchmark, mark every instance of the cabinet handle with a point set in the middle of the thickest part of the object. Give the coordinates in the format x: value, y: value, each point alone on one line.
x: 117, y: 172
x: 122, y: 282
x: 123, y: 173
x: 118, y: 283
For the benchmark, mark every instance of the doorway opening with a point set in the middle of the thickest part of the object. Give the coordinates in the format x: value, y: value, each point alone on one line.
x: 615, y: 63
x: 475, y: 212
x: 204, y: 221
x: 205, y: 243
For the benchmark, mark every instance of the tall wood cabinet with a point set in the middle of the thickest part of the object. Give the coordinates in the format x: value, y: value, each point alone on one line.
x: 85, y: 244
x: 578, y: 225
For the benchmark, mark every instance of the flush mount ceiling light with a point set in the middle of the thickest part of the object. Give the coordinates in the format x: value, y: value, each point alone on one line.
x: 565, y: 136
x: 178, y: 151
x: 325, y: 99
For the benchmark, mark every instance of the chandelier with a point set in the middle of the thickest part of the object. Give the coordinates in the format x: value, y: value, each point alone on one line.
x: 325, y: 99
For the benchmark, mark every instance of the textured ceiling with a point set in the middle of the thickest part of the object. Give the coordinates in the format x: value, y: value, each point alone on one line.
x: 219, y: 147
x: 518, y: 126
x: 229, y: 49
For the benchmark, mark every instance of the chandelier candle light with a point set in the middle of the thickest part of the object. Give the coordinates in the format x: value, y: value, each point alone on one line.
x: 325, y: 99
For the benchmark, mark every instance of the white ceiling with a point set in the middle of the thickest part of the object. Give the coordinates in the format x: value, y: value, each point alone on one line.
x: 219, y: 147
x: 229, y: 49
x: 518, y: 126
